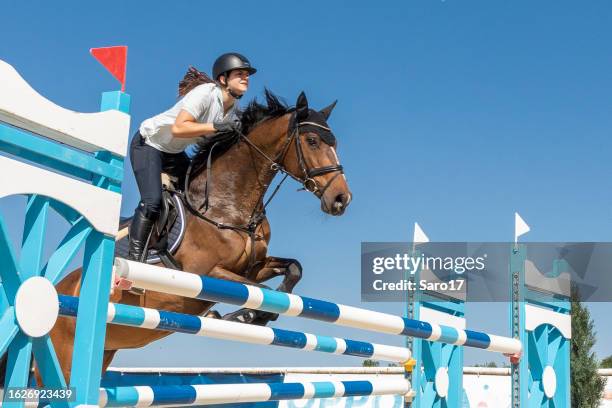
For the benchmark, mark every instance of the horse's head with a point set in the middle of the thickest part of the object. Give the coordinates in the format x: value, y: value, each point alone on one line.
x: 311, y: 157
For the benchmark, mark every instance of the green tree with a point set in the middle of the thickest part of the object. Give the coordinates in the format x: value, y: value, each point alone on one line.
x: 606, y: 362
x: 587, y: 385
x: 370, y: 363
x: 490, y: 364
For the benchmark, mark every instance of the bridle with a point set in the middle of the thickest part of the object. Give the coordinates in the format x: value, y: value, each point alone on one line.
x: 258, y: 214
x: 308, y: 179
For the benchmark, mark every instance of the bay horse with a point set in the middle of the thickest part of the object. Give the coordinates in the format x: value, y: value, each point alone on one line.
x: 295, y: 141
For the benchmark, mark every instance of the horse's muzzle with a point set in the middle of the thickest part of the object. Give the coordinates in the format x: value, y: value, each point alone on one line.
x: 338, y: 206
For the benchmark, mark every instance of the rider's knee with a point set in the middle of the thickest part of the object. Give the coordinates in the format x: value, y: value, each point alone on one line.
x: 150, y: 209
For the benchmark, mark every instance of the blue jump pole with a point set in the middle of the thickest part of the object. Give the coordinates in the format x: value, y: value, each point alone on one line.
x: 187, y: 395
x: 136, y: 316
x: 201, y: 287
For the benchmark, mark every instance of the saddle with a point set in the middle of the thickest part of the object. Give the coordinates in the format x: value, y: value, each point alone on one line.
x: 168, y: 232
x: 170, y: 227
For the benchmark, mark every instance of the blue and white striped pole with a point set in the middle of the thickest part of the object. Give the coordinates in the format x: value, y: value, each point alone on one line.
x: 201, y: 287
x: 135, y: 316
x: 186, y: 395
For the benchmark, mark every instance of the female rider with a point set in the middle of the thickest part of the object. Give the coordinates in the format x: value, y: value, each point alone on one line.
x: 207, y: 107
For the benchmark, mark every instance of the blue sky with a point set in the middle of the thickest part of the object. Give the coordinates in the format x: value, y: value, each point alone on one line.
x: 451, y: 113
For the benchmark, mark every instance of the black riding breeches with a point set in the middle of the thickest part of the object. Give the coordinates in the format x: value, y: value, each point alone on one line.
x: 148, y: 164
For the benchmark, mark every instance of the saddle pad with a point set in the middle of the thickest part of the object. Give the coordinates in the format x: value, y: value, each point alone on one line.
x: 174, y: 237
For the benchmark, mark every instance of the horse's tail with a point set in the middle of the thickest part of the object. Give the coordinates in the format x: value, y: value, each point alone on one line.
x: 3, y: 366
x: 3, y: 363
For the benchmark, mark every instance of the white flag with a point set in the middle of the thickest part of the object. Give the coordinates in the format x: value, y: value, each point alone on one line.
x: 520, y: 227
x: 419, y: 236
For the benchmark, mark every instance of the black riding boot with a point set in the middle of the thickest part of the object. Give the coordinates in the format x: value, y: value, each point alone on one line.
x: 140, y: 232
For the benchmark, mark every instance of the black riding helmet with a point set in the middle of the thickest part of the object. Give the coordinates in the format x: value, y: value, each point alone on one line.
x: 230, y: 61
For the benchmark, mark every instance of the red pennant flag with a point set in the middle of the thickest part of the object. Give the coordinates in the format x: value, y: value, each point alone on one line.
x: 114, y: 60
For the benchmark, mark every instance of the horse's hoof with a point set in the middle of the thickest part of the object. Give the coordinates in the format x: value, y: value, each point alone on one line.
x: 250, y: 316
x: 213, y: 314
x: 243, y: 316
x: 263, y: 318
x: 137, y: 291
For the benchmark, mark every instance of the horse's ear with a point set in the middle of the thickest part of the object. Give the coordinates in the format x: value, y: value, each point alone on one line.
x: 328, y: 110
x: 301, y: 106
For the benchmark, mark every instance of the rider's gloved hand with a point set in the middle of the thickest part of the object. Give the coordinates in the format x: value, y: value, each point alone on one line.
x: 231, y: 124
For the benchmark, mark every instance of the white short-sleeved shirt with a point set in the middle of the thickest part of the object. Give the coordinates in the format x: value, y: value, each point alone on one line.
x: 204, y: 103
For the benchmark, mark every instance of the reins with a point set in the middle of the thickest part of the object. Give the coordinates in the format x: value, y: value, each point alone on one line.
x: 276, y: 165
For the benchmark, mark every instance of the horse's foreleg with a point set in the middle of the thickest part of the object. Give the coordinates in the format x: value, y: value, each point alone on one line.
x: 291, y: 269
x: 244, y: 315
x: 222, y: 273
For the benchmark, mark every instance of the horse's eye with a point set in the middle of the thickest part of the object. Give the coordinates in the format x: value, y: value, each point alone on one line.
x: 312, y: 141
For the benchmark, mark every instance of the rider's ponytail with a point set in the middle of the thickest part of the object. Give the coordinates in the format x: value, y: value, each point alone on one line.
x: 193, y: 78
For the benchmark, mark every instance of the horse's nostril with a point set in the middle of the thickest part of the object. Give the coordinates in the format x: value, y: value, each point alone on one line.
x: 339, y: 204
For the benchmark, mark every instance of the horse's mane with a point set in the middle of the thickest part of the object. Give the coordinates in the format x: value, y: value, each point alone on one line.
x: 252, y: 115
x: 255, y: 112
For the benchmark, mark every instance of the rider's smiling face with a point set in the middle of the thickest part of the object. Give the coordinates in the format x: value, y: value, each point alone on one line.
x: 238, y: 81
